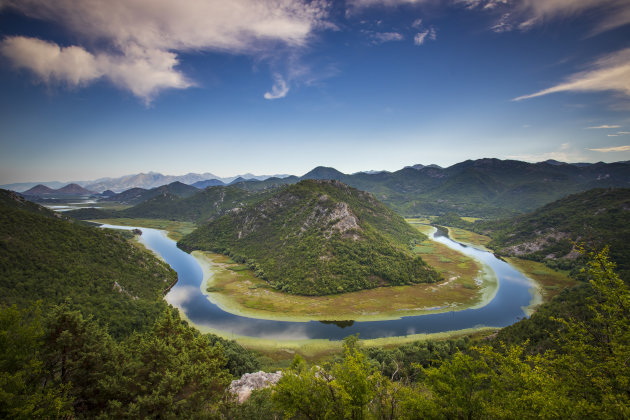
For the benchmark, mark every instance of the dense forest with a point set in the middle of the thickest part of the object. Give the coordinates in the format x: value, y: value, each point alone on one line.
x: 201, y: 207
x: 316, y: 238
x: 45, y: 257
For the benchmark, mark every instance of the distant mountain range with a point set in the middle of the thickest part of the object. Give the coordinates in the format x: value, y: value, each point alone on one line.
x: 70, y: 189
x: 483, y: 187
x: 141, y: 180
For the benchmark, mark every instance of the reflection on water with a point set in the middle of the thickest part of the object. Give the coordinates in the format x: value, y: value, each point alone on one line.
x: 340, y: 324
x: 503, y: 310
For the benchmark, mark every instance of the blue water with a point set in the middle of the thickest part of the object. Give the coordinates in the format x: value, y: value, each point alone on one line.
x: 504, y: 309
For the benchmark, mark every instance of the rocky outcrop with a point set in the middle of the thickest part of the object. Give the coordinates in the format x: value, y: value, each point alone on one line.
x: 243, y: 387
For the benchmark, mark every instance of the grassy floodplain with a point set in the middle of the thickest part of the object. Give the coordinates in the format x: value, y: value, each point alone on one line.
x: 469, y: 238
x: 235, y: 289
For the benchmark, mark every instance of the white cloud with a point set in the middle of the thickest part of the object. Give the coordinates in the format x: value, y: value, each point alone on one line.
x: 622, y: 133
x: 140, y: 38
x: 390, y: 3
x: 524, y: 14
x: 143, y: 72
x: 72, y: 65
x: 612, y: 149
x: 611, y: 73
x: 383, y: 37
x: 416, y: 23
x: 613, y: 135
x: 279, y: 88
x: 602, y: 126
x: 422, y: 36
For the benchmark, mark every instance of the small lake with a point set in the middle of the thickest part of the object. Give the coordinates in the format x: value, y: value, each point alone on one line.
x: 514, y: 294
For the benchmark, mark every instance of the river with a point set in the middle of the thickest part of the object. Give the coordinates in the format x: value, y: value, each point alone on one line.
x: 513, y: 295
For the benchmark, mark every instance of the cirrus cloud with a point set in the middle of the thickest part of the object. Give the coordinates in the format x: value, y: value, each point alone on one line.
x: 422, y: 36
x: 603, y: 126
x: 610, y: 73
x: 140, y: 39
x: 612, y: 149
x: 525, y: 14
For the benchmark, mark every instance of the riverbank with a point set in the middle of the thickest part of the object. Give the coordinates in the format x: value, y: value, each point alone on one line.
x: 281, y: 352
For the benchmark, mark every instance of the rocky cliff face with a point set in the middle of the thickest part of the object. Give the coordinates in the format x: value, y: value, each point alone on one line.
x: 249, y: 382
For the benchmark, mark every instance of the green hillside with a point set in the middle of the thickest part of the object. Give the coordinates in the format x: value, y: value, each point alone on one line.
x: 316, y: 238
x: 134, y: 196
x: 46, y: 257
x: 594, y: 218
x: 203, y: 206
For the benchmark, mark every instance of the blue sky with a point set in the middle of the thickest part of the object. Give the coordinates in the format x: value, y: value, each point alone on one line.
x: 114, y: 87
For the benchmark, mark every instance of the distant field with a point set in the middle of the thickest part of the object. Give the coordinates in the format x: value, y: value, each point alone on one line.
x: 468, y: 237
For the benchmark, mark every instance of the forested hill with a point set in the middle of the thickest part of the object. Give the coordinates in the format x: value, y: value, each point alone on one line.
x: 318, y: 237
x: 201, y: 207
x: 43, y: 256
x: 594, y: 218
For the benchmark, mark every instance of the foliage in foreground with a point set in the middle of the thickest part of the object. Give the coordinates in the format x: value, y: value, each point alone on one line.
x: 64, y: 365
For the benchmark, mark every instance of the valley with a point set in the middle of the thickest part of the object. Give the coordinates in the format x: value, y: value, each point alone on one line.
x: 297, y: 270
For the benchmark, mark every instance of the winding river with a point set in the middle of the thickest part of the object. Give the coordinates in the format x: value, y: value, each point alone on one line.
x: 507, y: 306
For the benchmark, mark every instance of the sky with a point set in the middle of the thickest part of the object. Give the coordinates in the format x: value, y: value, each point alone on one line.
x: 105, y: 88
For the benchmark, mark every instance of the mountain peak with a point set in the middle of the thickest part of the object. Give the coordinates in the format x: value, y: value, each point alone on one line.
x: 324, y: 172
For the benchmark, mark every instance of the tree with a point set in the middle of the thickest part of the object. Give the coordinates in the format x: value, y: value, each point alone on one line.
x: 170, y: 372
x: 593, y: 362
x: 24, y: 391
x: 77, y: 354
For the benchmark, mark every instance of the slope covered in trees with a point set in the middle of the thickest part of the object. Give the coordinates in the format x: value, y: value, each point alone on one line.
x: 318, y: 237
x: 200, y: 207
x: 43, y: 256
x: 593, y: 218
